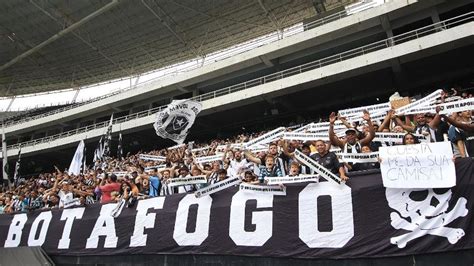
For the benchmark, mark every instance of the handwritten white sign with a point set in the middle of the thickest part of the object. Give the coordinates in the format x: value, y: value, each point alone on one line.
x: 426, y: 165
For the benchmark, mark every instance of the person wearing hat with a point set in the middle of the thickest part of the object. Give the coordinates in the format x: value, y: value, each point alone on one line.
x: 184, y: 172
x: 351, y: 144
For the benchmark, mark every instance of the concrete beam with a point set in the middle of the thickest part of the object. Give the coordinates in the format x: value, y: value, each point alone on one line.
x: 180, y: 87
x: 266, y: 61
x: 116, y: 109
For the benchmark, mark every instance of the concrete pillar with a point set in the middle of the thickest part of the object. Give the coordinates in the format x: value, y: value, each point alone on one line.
x: 384, y: 20
x: 435, y: 18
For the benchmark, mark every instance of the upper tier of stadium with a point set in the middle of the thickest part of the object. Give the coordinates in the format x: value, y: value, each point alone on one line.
x: 387, y: 43
x: 267, y: 49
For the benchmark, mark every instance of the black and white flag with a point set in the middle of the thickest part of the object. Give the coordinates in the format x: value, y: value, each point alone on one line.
x: 84, y: 162
x: 77, y: 160
x: 108, y: 138
x: 16, y: 175
x: 120, y: 148
x: 99, y: 151
x: 176, y: 119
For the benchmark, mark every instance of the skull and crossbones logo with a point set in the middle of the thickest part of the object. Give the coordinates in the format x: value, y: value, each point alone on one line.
x: 424, y: 211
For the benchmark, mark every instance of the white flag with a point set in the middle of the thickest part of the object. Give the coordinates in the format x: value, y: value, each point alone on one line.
x: 99, y: 151
x: 76, y: 163
x: 176, y: 119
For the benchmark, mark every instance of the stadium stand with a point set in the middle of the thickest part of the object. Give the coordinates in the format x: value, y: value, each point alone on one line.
x: 383, y: 44
x: 301, y: 103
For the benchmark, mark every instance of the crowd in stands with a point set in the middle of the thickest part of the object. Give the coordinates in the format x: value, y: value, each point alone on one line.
x: 132, y: 178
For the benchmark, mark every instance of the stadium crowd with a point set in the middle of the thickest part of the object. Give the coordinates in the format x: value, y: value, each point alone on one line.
x: 136, y: 176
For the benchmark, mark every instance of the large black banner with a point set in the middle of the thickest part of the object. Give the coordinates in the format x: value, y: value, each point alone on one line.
x: 314, y: 220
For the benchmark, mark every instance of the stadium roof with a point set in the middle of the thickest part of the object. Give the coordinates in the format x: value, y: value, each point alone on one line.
x: 58, y: 44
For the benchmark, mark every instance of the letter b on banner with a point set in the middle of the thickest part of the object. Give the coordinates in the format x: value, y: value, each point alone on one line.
x: 342, y: 221
x: 15, y: 231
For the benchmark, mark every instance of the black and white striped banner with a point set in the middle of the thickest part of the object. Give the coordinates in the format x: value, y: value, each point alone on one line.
x: 446, y: 108
x: 149, y: 157
x: 321, y: 170
x: 428, y: 100
x: 120, y: 173
x: 176, y: 146
x: 358, y: 157
x: 291, y: 179
x: 190, y: 180
x: 305, y: 136
x: 396, y: 137
x: 206, y: 159
x: 266, y: 138
x: 160, y: 166
x: 229, y: 182
x: 359, y: 111
x: 457, y: 106
x: 274, y: 190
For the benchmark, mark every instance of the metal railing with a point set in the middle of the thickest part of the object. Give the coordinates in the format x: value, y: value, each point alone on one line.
x: 386, y: 43
x: 247, y: 46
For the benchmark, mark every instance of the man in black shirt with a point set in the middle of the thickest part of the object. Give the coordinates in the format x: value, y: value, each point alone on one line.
x: 328, y: 160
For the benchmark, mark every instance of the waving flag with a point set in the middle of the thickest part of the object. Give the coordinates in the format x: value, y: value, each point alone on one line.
x: 16, y: 175
x: 175, y: 121
x: 77, y: 160
x: 120, y: 148
x: 108, y: 139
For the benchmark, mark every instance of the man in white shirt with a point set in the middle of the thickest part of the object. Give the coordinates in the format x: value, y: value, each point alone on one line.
x: 236, y: 163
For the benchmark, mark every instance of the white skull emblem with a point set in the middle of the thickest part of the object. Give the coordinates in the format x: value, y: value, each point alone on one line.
x: 424, y: 211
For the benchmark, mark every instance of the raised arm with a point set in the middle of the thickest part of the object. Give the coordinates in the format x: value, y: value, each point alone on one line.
x: 252, y: 157
x: 224, y: 156
x: 386, y: 120
x: 369, y: 137
x: 466, y: 127
x: 56, y: 182
x: 82, y: 193
x: 284, y: 146
x: 454, y: 122
x: 403, y: 125
x: 206, y: 172
x: 332, y: 136
x: 434, y: 123
x: 344, y: 121
x: 342, y: 173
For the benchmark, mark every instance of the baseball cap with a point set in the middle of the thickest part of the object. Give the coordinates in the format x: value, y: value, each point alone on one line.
x: 350, y: 130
